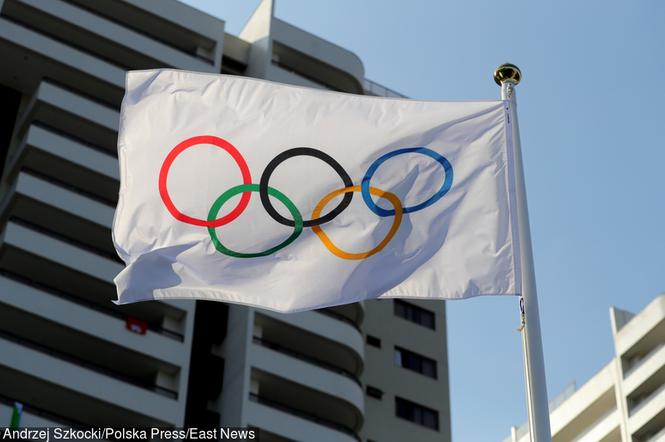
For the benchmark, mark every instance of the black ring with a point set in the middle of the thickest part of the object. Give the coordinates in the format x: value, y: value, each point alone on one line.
x: 309, y: 151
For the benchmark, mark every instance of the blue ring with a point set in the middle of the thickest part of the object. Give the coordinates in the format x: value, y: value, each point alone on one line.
x: 445, y: 187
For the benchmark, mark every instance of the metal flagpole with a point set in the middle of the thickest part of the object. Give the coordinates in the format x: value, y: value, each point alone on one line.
x: 508, y: 76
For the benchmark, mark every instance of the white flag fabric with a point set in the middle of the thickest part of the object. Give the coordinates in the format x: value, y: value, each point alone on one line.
x: 287, y: 198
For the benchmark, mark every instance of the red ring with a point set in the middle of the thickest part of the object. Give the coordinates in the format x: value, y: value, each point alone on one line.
x: 166, y: 166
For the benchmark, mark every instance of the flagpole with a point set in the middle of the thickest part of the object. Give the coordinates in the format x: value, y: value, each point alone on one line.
x: 508, y: 76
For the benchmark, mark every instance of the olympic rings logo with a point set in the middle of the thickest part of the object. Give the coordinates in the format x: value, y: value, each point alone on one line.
x: 265, y: 191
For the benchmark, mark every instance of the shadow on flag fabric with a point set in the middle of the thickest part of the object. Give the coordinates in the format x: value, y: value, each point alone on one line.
x: 288, y: 198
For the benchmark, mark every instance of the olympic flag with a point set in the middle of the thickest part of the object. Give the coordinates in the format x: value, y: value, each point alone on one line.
x: 288, y: 198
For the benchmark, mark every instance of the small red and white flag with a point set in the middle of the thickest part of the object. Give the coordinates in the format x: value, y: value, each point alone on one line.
x: 136, y: 326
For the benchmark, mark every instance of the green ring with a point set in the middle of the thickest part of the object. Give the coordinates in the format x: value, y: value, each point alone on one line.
x: 224, y: 197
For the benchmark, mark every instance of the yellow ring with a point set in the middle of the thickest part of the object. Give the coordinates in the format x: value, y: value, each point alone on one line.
x: 394, y: 200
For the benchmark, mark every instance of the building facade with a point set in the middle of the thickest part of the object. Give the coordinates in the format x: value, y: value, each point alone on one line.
x: 372, y: 371
x: 625, y: 400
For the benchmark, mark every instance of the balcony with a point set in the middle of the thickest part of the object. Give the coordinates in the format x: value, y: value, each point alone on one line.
x: 60, y: 252
x: 70, y: 162
x: 649, y: 416
x: 155, y: 322
x: 378, y: 90
x: 236, y: 55
x: 169, y: 22
x: 327, y: 339
x: 294, y: 424
x: 307, y: 389
x: 73, y: 114
x: 281, y: 73
x: 108, y: 38
x: 80, y: 391
x: 304, y: 357
x: 32, y: 416
x: 31, y: 53
x: 310, y: 372
x: 324, y: 62
x: 75, y: 356
x: 643, y: 332
x: 45, y: 260
x: 657, y: 437
x: 349, y: 313
x: 647, y: 367
x: 606, y: 428
x: 75, y: 328
x: 588, y: 405
x: 647, y: 412
x: 68, y: 214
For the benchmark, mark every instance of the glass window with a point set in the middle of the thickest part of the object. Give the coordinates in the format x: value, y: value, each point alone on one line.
x: 374, y: 392
x: 416, y: 413
x: 414, y: 361
x: 414, y: 313
x: 373, y: 341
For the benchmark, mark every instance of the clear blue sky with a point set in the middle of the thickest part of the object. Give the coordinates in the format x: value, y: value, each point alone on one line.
x: 592, y: 116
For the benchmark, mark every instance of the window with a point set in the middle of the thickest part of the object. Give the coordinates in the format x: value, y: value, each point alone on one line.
x: 414, y: 313
x: 418, y: 414
x: 374, y: 392
x: 373, y: 341
x: 414, y: 361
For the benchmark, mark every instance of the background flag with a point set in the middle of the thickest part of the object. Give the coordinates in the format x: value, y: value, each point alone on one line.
x: 287, y: 198
x: 17, y: 411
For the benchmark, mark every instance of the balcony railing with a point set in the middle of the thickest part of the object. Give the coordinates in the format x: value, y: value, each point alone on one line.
x: 642, y: 360
x: 110, y: 311
x: 374, y: 88
x: 29, y: 408
x: 88, y: 365
x: 304, y: 415
x: 339, y: 317
x: 599, y: 421
x: 644, y: 400
x: 66, y: 239
x: 306, y: 358
x: 657, y: 436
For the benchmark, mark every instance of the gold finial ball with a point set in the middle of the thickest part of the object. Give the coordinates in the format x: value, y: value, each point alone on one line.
x: 507, y: 72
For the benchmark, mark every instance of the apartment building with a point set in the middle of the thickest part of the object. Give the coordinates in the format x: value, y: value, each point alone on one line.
x: 625, y: 400
x: 373, y: 371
